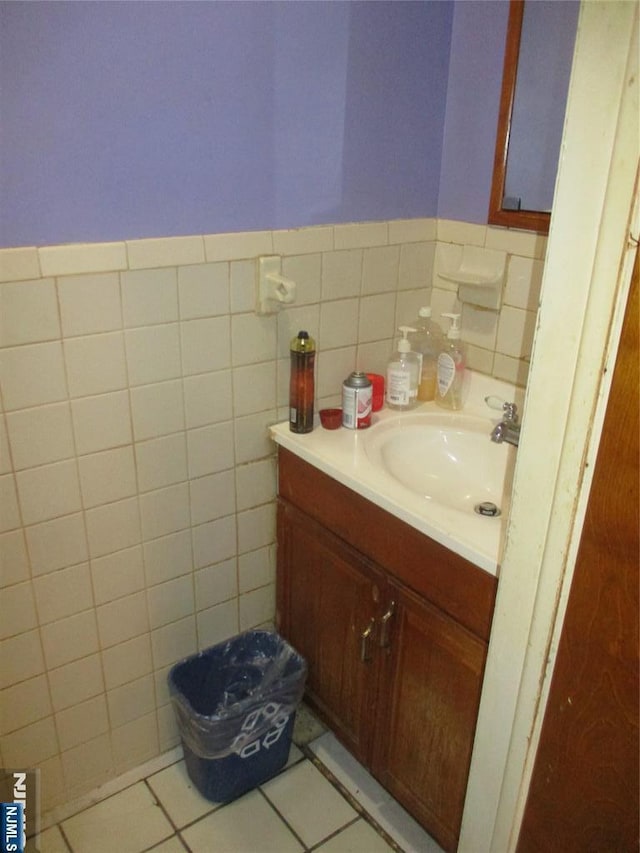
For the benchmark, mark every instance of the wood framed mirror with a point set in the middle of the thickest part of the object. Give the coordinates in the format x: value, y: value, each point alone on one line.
x: 538, y: 54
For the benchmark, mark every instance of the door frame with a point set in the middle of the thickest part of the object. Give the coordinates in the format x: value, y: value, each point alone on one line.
x: 584, y: 292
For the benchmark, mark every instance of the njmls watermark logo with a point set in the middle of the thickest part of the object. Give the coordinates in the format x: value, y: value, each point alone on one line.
x: 19, y: 811
x: 14, y: 833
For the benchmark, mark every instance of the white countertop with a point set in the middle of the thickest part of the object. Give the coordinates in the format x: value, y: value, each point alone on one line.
x: 340, y: 454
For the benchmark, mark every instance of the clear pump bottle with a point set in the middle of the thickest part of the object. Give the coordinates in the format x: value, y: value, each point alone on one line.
x: 451, y: 367
x: 403, y: 373
x: 427, y: 342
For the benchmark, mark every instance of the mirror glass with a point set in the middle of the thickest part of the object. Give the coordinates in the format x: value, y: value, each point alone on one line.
x: 538, y: 57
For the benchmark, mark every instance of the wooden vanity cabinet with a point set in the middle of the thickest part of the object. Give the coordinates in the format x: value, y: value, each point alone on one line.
x: 432, y: 678
x: 394, y: 628
x: 327, y: 608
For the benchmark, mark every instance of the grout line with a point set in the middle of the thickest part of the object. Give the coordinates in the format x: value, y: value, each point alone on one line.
x: 282, y: 818
x: 403, y: 242
x: 321, y: 843
x: 348, y: 796
x: 306, y: 755
x: 161, y: 806
x: 183, y: 842
x: 159, y: 844
x: 64, y: 837
x: 158, y: 802
x: 63, y: 812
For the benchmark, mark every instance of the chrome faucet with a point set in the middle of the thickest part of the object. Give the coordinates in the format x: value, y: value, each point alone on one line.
x: 509, y: 427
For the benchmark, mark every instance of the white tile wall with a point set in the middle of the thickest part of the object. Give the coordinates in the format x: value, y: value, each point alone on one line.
x: 88, y: 764
x: 75, y: 682
x: 153, y: 354
x: 112, y: 527
x: 20, y: 658
x: 32, y: 375
x: 157, y: 409
x: 203, y: 290
x: 168, y: 252
x: 14, y: 564
x: 82, y: 258
x: 24, y: 703
x: 89, y: 303
x: 218, y: 583
x: 101, y: 422
x: 161, y: 461
x: 149, y: 297
x: 208, y: 398
x: 217, y: 623
x: 122, y: 619
x: 499, y: 342
x: 341, y: 274
x: 56, y: 544
x: 137, y: 480
x: 168, y: 557
x: 19, y: 264
x: 40, y: 435
x: 214, y: 496
x: 28, y: 312
x: 10, y: 516
x: 82, y: 722
x: 127, y: 661
x: 95, y: 364
x: 170, y: 601
x: 117, y: 575
x: 48, y: 491
x: 69, y: 639
x: 131, y: 700
x: 18, y: 609
x: 62, y: 593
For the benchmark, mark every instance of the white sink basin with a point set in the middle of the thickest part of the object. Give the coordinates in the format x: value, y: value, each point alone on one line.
x: 444, y: 457
x: 428, y: 467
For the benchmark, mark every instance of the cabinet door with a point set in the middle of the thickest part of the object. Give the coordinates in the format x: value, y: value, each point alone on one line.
x: 434, y: 671
x: 327, y: 604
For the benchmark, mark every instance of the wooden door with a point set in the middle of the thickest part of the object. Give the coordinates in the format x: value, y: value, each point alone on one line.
x: 327, y: 604
x: 432, y: 677
x: 584, y: 790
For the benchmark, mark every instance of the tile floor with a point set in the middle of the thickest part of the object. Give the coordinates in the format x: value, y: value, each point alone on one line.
x: 323, y: 800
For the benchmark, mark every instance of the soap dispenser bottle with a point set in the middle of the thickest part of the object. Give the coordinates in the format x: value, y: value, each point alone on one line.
x: 403, y: 372
x: 427, y: 343
x: 451, y: 366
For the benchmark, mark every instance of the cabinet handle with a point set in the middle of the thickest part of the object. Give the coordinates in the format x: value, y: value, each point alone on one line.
x: 384, y: 641
x: 364, y: 641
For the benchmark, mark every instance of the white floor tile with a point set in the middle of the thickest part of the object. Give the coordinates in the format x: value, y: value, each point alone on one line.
x: 373, y: 798
x: 128, y: 822
x: 171, y: 845
x: 178, y: 795
x: 295, y: 755
x: 51, y: 841
x: 360, y: 837
x: 244, y: 826
x: 132, y: 821
x: 309, y: 803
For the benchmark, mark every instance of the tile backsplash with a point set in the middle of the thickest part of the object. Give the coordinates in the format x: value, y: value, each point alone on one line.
x: 137, y: 480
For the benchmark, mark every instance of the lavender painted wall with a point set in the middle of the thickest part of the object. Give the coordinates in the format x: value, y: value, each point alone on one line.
x: 125, y: 120
x: 473, y: 99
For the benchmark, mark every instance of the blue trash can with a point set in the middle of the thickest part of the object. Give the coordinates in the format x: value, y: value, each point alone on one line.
x: 235, y: 704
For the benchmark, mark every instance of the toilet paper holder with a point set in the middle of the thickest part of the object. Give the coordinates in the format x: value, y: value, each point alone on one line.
x: 273, y: 290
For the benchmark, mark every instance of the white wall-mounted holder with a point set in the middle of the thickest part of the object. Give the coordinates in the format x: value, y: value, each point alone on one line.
x: 273, y: 290
x: 479, y: 276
